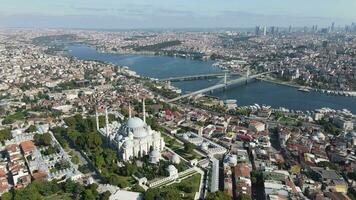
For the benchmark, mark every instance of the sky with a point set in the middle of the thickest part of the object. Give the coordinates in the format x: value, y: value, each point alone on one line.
x: 129, y: 14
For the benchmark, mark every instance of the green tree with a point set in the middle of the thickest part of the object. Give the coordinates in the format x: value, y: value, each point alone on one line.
x: 119, y: 181
x: 5, y: 134
x: 189, y: 147
x: 242, y: 196
x: 6, y: 196
x: 31, y: 129
x: 137, y: 188
x: 218, y: 196
x: 75, y: 159
x: 352, y: 175
x: 43, y: 139
x: 105, y: 196
x: 88, y: 195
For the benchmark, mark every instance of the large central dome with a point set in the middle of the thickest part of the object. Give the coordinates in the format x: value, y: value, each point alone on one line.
x: 135, y: 123
x: 137, y: 127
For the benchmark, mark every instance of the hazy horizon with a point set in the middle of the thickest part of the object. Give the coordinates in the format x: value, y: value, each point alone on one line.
x: 159, y: 14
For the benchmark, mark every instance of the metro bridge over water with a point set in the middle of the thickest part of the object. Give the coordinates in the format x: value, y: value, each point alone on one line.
x: 199, y: 77
x: 225, y: 84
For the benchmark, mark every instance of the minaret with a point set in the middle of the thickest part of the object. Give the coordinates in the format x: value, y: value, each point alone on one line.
x: 225, y: 80
x: 144, y: 110
x: 106, y: 122
x: 97, y: 119
x: 129, y: 110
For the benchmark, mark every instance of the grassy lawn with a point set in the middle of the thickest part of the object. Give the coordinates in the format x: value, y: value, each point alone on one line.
x: 287, y: 121
x: 188, y: 156
x: 64, y: 196
x: 171, y: 142
x: 192, y: 182
x: 14, y: 117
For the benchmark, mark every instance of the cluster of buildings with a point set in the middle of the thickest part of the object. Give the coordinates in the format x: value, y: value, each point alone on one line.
x: 255, y: 154
x: 23, y: 162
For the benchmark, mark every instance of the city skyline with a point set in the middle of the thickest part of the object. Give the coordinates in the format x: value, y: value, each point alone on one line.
x: 175, y: 14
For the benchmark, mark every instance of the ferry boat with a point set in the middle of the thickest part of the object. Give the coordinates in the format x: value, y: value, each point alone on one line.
x: 304, y: 89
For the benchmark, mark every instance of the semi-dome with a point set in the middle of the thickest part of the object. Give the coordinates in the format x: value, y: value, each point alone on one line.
x: 185, y: 136
x: 154, y: 156
x: 128, y: 143
x: 118, y: 137
x: 155, y: 153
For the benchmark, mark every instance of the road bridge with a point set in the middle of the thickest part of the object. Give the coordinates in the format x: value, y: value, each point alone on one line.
x: 220, y: 85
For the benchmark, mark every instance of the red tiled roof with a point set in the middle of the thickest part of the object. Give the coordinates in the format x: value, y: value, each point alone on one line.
x: 2, y: 173
x: 27, y: 146
x: 40, y: 175
x: 242, y: 170
x: 11, y: 147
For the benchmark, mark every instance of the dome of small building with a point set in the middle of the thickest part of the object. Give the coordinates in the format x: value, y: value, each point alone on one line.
x: 155, y: 153
x: 321, y: 136
x: 315, y: 138
x: 172, y: 171
x: 231, y: 160
x: 205, y: 146
x: 154, y: 156
x: 175, y: 159
x: 185, y: 136
x: 171, y: 168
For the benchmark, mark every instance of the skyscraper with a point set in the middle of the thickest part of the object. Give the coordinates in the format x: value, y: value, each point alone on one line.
x: 265, y: 30
x: 257, y: 31
x: 332, y: 27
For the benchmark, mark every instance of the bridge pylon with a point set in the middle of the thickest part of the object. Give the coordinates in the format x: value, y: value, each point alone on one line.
x: 247, y: 74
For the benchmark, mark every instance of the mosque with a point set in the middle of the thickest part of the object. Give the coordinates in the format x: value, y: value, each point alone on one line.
x: 134, y: 138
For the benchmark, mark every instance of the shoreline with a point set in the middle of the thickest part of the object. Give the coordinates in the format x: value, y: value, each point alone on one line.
x: 323, y: 91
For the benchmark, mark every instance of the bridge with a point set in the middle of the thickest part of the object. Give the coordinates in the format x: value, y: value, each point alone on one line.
x: 199, y: 77
x: 220, y: 85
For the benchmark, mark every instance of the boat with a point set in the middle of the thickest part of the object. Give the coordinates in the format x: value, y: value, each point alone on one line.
x: 304, y: 89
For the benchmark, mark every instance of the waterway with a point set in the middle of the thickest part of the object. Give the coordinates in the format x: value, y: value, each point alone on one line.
x: 260, y: 92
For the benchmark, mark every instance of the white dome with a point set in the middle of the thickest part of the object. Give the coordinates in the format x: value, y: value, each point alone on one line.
x: 205, y: 146
x: 315, y: 138
x: 232, y: 159
x: 136, y: 126
x: 321, y: 136
x: 155, y: 153
x: 175, y: 159
x: 135, y: 123
x: 154, y: 156
x: 171, y: 168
